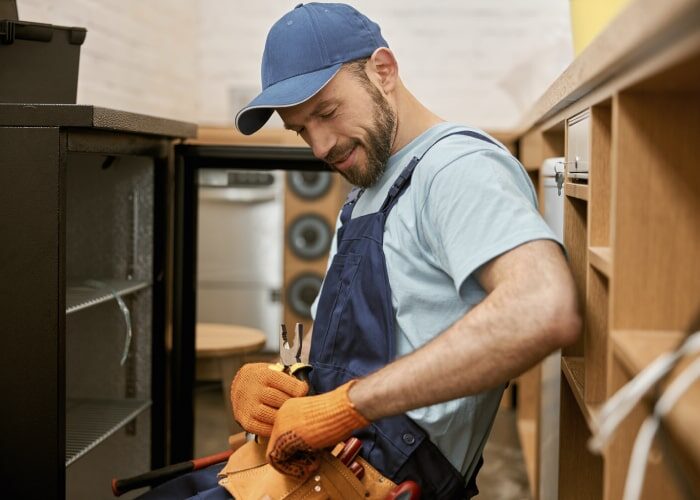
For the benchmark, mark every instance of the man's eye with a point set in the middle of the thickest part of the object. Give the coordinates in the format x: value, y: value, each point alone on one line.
x: 328, y: 114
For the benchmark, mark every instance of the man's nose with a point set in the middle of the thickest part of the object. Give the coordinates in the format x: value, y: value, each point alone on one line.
x: 321, y: 141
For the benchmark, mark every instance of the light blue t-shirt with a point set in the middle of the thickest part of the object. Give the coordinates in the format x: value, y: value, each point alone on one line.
x: 469, y: 201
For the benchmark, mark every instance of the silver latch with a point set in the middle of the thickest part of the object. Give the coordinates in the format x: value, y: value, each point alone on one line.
x: 559, y: 179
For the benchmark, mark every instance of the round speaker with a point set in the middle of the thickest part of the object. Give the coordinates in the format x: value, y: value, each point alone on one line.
x: 302, y: 292
x: 309, y: 185
x: 309, y: 236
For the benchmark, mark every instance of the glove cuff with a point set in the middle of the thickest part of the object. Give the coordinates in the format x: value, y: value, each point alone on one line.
x: 353, y: 418
x: 332, y: 417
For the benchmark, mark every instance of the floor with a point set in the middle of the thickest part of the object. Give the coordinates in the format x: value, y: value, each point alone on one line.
x: 503, y: 476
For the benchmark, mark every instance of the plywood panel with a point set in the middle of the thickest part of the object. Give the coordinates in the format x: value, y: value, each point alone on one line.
x: 599, y: 177
x: 596, y: 347
x: 657, y: 202
x: 575, y: 241
x: 580, y: 472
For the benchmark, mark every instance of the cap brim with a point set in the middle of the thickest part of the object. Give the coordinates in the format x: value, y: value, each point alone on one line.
x: 284, y: 94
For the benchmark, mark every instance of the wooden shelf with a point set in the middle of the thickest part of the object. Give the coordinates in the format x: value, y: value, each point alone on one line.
x: 635, y: 349
x: 574, y: 372
x: 601, y: 259
x: 627, y: 105
x: 573, y: 190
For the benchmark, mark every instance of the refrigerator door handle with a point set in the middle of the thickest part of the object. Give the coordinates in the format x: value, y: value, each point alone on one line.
x: 237, y: 195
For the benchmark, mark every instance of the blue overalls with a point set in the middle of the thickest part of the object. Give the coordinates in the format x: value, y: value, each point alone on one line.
x: 353, y: 335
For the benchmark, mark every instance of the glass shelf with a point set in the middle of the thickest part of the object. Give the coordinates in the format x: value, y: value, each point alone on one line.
x: 81, y: 295
x: 90, y: 421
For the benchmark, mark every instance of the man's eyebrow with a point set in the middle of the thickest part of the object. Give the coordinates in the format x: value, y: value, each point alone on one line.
x: 324, y: 103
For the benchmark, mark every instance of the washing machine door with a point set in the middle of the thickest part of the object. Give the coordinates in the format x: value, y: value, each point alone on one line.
x: 309, y: 236
x: 309, y: 185
x: 302, y: 292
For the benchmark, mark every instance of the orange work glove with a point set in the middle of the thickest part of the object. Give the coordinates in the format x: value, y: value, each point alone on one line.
x: 257, y: 392
x: 305, y: 425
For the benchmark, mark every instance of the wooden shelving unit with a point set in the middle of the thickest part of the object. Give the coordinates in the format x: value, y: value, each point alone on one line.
x: 633, y: 242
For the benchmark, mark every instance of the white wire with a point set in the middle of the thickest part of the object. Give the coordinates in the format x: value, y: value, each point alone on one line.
x: 125, y: 314
x: 616, y: 409
x: 645, y: 436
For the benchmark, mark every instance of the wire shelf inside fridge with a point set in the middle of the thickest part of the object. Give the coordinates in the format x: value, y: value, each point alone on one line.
x: 90, y: 421
x: 86, y: 294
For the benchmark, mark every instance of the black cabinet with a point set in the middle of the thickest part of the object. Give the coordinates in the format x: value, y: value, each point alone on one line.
x: 85, y: 218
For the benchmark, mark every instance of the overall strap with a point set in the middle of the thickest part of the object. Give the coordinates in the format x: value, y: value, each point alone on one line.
x: 403, y: 180
x: 346, y: 211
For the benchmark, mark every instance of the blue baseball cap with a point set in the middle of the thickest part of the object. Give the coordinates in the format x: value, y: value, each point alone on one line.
x: 303, y: 52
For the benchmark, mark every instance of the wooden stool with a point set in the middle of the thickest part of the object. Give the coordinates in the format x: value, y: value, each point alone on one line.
x: 221, y: 351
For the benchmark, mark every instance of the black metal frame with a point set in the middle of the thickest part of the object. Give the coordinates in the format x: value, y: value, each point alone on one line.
x: 190, y: 158
x: 33, y: 162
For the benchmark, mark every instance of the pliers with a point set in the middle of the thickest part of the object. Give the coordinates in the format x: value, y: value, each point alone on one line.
x: 291, y: 354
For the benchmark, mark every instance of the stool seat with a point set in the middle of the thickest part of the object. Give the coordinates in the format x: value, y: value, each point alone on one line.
x: 221, y: 350
x: 215, y: 340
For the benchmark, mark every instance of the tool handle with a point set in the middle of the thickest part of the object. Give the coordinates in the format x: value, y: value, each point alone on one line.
x: 301, y: 371
x: 408, y: 490
x: 350, y: 450
x: 158, y: 476
x: 357, y: 469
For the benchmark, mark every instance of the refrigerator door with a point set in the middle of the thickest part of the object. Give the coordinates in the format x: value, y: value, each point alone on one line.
x: 240, y: 235
x: 240, y: 249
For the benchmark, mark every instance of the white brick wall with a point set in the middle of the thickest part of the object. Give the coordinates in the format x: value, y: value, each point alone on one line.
x: 482, y: 62
x: 139, y: 55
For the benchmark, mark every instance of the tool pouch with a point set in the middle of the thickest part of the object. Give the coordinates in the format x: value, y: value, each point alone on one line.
x: 248, y: 476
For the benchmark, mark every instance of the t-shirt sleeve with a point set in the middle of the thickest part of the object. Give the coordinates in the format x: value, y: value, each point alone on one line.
x: 477, y: 208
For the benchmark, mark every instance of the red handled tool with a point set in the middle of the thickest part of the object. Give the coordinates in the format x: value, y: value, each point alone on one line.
x: 408, y: 490
x: 158, y: 476
x: 350, y: 450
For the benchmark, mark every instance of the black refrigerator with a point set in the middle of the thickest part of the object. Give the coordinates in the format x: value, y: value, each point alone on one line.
x: 85, y: 218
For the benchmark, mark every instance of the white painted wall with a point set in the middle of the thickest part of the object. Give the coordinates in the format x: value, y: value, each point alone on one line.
x: 482, y: 62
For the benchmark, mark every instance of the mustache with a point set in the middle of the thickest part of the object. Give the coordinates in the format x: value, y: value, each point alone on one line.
x: 339, y: 152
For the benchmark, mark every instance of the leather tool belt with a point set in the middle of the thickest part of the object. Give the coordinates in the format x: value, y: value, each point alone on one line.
x: 247, y: 475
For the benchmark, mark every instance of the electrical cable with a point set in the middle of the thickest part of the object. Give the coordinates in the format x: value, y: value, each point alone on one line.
x: 645, y: 436
x: 616, y: 409
x: 125, y: 314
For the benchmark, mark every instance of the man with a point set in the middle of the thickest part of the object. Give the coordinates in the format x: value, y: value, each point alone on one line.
x: 441, y: 290
x: 444, y: 282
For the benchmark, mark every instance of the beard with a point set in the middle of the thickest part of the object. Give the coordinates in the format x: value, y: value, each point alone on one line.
x: 377, y: 142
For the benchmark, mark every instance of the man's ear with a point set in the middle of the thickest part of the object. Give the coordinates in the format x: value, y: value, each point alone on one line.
x: 383, y: 66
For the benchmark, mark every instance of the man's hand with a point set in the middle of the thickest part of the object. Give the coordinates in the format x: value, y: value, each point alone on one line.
x: 257, y: 392
x: 305, y: 425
